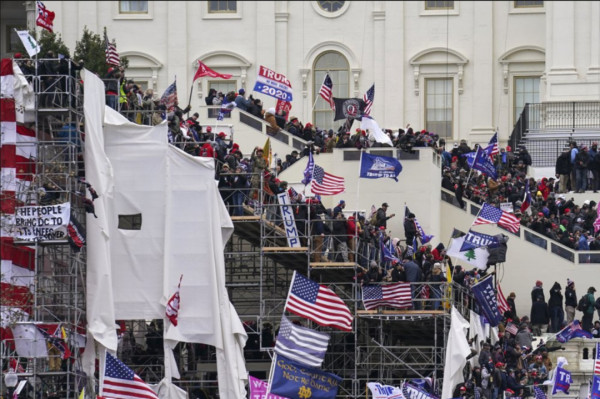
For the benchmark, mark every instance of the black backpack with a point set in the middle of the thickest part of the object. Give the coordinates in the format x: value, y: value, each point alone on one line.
x: 583, y: 304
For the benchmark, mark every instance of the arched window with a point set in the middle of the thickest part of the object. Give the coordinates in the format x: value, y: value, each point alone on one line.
x: 338, y: 68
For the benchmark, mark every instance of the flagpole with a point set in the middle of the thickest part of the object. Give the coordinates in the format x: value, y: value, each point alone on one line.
x: 190, y: 99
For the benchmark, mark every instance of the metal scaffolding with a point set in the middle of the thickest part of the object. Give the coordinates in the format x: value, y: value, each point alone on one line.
x: 388, y: 346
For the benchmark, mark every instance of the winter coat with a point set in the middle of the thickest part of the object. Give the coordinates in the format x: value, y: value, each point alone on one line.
x: 556, y: 297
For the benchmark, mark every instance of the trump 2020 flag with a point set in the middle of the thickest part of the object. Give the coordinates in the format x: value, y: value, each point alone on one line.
x: 396, y: 295
x: 486, y: 298
x: 573, y: 330
x: 301, y: 344
x: 293, y: 380
x: 377, y: 166
x: 259, y: 389
x: 379, y: 391
x: 596, y: 387
x: 562, y: 381
x: 121, y: 382
x: 483, y: 163
x: 317, y: 303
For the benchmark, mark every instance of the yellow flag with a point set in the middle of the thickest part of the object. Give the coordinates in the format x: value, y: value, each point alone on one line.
x: 267, y: 153
x: 82, y: 394
x: 448, y: 301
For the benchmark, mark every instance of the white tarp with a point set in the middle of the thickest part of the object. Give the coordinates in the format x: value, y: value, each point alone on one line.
x: 184, y: 226
x: 457, y: 351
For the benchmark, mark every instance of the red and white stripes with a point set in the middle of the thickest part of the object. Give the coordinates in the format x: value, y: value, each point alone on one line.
x: 17, y: 168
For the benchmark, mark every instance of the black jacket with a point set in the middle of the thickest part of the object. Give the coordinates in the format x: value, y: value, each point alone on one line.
x: 570, y: 297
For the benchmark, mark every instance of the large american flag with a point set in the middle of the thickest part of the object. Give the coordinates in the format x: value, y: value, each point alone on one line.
x: 502, y: 304
x: 169, y: 97
x: 324, y: 183
x: 368, y: 99
x: 490, y: 215
x: 395, y: 295
x: 317, y: 303
x: 301, y: 344
x: 597, y: 359
x: 326, y: 91
x: 112, y: 57
x: 120, y: 382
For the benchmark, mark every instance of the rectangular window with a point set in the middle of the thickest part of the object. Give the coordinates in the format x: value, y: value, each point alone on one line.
x: 527, y: 90
x: 223, y: 87
x: 439, y: 5
x: 130, y: 222
x: 13, y: 43
x: 528, y: 4
x: 439, y: 106
x: 133, y: 7
x: 222, y: 7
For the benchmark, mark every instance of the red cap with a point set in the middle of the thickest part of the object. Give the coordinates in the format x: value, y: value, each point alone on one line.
x: 209, y: 129
x: 222, y: 134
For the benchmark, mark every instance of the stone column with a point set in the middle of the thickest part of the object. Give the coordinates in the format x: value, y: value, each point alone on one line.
x: 483, y: 68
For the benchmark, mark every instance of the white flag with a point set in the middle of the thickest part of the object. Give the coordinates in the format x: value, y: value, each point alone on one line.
x: 29, y: 42
x: 380, y: 391
x: 375, y: 132
x: 477, y: 257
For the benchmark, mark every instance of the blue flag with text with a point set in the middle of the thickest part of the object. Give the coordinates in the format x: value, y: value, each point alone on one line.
x: 562, y: 381
x: 295, y: 381
x: 483, y: 163
x: 475, y: 240
x: 376, y: 166
x: 486, y: 298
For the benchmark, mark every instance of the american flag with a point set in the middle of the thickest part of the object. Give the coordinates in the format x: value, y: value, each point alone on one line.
x: 325, y: 184
x: 317, y: 303
x: 327, y: 91
x: 489, y: 214
x: 395, y: 295
x: 597, y: 359
x: 492, y: 148
x: 368, y: 99
x: 301, y: 344
x: 539, y: 394
x: 527, y: 198
x: 512, y: 328
x: 502, y: 304
x: 120, y: 382
x: 169, y: 97
x: 112, y: 57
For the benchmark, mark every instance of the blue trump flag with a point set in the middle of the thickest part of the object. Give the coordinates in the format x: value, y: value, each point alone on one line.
x: 573, y: 330
x: 596, y: 387
x: 308, y: 171
x: 376, y: 166
x: 475, y: 240
x: 486, y: 298
x: 483, y: 163
x: 562, y: 381
x: 295, y: 381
